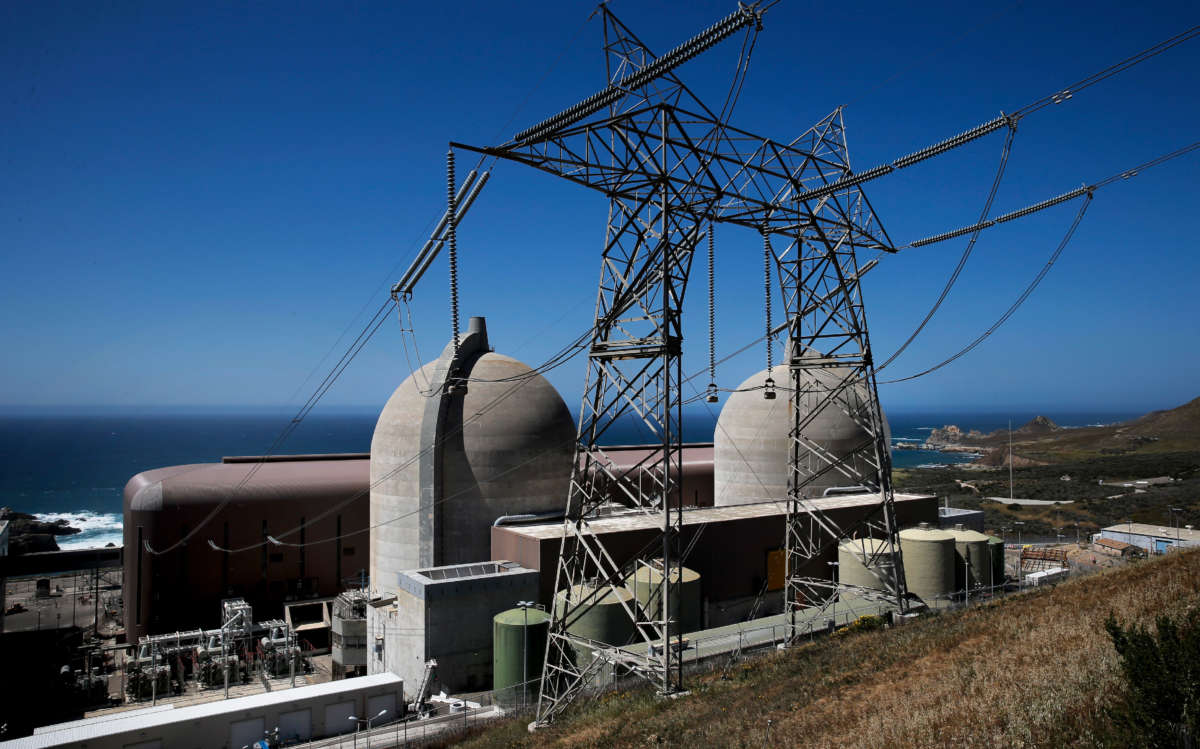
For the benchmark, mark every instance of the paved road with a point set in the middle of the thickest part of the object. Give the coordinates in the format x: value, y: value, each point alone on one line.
x: 410, y: 733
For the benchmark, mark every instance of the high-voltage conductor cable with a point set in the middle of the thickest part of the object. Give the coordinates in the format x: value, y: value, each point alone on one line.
x: 991, y: 126
x: 520, y: 381
x: 1056, y: 200
x: 274, y: 540
x: 1086, y: 190
x: 930, y: 54
x: 1015, y: 305
x: 769, y: 385
x: 405, y: 464
x: 962, y: 261
x: 1010, y: 216
x: 452, y: 244
x: 355, y: 348
x: 712, y: 316
x: 744, y: 16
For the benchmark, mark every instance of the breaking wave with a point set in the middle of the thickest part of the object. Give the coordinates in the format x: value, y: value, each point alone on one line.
x: 98, y: 528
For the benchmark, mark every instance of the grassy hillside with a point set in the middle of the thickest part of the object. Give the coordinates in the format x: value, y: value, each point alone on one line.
x: 1174, y: 430
x: 1036, y: 669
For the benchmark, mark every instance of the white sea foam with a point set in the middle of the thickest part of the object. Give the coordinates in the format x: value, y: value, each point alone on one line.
x: 98, y: 528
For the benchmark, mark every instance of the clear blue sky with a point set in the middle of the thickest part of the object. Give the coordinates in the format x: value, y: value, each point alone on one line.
x: 196, y: 201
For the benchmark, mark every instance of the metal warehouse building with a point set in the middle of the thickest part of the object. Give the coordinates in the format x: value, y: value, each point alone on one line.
x: 1156, y: 539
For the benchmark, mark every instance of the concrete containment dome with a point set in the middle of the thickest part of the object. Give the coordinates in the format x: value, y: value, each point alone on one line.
x: 752, y: 447
x: 445, y: 464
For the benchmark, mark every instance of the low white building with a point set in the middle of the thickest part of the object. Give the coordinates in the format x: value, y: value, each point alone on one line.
x: 301, y: 714
x: 1155, y: 539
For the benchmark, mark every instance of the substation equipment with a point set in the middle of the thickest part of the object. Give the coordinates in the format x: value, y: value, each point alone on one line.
x: 231, y: 654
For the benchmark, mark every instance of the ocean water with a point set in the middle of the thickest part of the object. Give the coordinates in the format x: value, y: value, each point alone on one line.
x: 75, y: 466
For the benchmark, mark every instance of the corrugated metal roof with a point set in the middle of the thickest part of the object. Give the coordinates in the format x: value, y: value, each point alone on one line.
x: 1157, y: 531
x: 144, y: 720
x: 1118, y: 545
x: 102, y: 718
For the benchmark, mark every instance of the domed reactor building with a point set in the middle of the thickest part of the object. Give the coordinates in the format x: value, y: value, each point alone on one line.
x: 471, y: 439
x: 447, y: 462
x: 752, y: 442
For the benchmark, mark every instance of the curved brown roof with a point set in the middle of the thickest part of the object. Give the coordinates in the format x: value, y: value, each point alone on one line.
x: 212, y: 483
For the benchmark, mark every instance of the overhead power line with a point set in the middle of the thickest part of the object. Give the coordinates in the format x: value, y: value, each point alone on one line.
x: 962, y: 261
x: 1056, y: 200
x: 1014, y: 306
x: 975, y: 133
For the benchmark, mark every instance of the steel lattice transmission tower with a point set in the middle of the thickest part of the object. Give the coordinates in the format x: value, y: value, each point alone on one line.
x: 671, y: 167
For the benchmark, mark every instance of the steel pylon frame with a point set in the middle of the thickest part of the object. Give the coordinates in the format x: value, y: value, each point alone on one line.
x: 671, y: 167
x: 831, y: 368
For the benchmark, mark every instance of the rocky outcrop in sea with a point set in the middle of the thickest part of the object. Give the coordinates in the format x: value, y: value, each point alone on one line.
x: 28, y: 535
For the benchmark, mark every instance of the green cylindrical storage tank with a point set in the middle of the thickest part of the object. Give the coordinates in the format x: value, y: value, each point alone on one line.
x: 646, y: 584
x: 854, y: 556
x: 973, y: 566
x: 518, y: 648
x: 606, y: 621
x: 928, y: 562
x: 996, y: 548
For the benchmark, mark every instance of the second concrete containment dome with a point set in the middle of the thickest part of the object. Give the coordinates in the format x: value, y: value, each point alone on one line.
x: 445, y: 463
x: 752, y: 447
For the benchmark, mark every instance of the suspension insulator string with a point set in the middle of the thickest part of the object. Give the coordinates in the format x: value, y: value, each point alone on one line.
x: 769, y: 385
x: 452, y: 246
x: 711, y: 396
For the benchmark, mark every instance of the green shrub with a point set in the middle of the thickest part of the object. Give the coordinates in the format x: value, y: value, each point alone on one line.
x: 1161, y: 671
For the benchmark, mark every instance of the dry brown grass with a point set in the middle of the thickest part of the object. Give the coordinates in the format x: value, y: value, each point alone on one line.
x: 1032, y: 670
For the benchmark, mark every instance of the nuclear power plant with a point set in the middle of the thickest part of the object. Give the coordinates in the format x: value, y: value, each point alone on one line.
x: 456, y: 516
x: 483, y: 500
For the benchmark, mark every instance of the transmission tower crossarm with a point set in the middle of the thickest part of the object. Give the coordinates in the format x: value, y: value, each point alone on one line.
x: 744, y: 16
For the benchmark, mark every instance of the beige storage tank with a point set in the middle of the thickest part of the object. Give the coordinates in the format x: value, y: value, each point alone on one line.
x: 973, y: 565
x: 928, y: 562
x: 606, y: 621
x: 855, y: 567
x: 996, y: 548
x: 646, y: 584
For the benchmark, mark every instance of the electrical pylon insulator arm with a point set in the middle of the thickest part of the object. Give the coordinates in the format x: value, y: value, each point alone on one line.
x: 744, y: 16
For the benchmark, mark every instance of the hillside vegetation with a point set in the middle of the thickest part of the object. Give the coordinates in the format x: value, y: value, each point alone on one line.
x: 1084, y: 499
x: 1173, y: 430
x: 1037, y: 669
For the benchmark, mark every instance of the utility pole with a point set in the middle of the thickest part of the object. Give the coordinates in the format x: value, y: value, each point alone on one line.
x: 1010, y: 462
x: 96, y: 600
